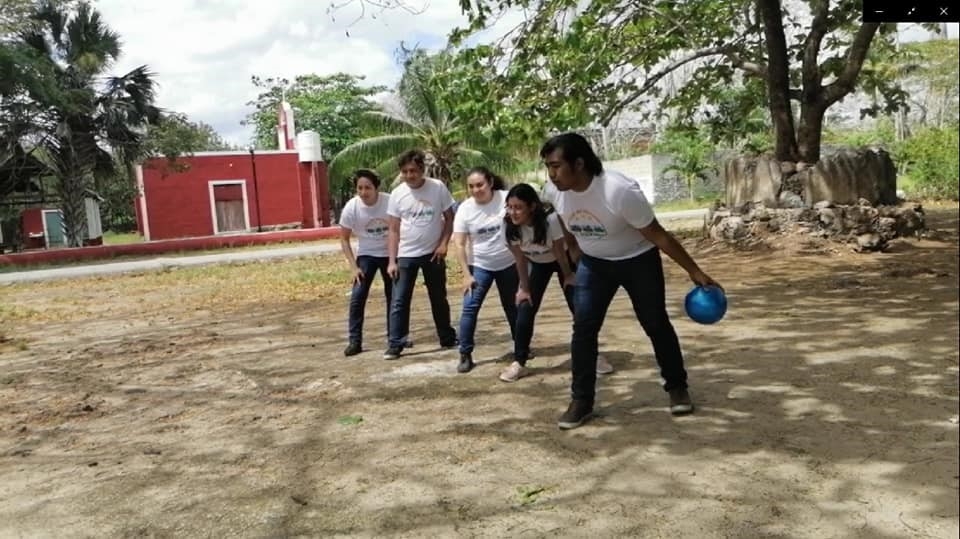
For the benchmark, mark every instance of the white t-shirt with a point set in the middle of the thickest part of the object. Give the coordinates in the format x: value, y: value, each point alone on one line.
x: 484, y: 225
x: 606, y: 216
x: 421, y: 216
x: 368, y: 223
x: 536, y: 252
x: 548, y: 193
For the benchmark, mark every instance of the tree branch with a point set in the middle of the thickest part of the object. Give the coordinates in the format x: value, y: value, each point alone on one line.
x: 856, y: 54
x: 810, y: 71
x: 755, y: 69
x: 652, y: 81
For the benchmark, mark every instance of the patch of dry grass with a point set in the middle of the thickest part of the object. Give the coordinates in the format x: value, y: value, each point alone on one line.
x: 223, y: 287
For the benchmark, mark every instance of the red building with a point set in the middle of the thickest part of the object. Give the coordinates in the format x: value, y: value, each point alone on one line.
x: 212, y: 193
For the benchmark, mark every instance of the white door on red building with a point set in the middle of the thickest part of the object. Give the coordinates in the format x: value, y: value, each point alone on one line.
x: 229, y: 205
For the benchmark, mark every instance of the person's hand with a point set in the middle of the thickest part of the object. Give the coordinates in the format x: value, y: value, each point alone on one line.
x: 702, y: 279
x: 393, y: 271
x: 440, y: 253
x: 522, y: 296
x: 575, y: 253
x: 357, y: 276
x: 469, y: 283
x: 569, y: 279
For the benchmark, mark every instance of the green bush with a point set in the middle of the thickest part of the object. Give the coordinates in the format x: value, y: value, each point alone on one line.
x: 931, y: 159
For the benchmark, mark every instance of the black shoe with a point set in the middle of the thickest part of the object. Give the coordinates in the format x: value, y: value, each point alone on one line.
x: 352, y: 349
x: 392, y: 353
x: 577, y: 414
x: 446, y: 345
x: 466, y: 363
x: 680, y: 401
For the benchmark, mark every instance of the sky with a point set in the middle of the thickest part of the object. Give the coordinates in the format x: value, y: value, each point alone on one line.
x: 205, y: 51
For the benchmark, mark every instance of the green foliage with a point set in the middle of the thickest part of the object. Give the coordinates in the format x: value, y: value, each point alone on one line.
x: 738, y: 119
x: 880, y: 133
x: 330, y: 105
x: 572, y: 60
x: 692, y: 154
x: 91, y: 121
x: 175, y: 135
x: 932, y: 162
x: 426, y: 118
x: 15, y: 15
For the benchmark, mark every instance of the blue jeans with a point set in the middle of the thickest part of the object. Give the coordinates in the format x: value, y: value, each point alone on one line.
x: 597, y: 282
x: 435, y: 277
x: 369, y: 265
x: 507, y: 282
x: 527, y: 311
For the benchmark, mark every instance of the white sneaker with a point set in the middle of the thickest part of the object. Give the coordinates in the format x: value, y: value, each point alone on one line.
x: 514, y: 372
x: 604, y: 366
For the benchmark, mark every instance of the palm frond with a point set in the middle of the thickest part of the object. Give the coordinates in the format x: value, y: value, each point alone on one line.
x: 390, y: 123
x: 368, y: 153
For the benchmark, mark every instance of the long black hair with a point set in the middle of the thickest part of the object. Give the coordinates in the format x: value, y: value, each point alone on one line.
x: 526, y: 193
x: 573, y: 146
x: 496, y: 182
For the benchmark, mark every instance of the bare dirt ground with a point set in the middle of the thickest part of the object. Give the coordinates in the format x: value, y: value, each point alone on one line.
x: 215, y: 402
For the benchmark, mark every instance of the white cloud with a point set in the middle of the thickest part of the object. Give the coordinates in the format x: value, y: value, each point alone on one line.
x: 205, y: 51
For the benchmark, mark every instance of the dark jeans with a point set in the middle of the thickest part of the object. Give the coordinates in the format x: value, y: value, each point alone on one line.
x: 435, y: 277
x: 507, y: 281
x: 369, y: 265
x: 597, y: 282
x: 527, y: 312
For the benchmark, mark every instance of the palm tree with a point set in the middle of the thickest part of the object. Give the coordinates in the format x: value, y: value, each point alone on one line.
x: 420, y: 121
x: 92, y: 118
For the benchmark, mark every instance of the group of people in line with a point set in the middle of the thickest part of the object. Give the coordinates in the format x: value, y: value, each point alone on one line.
x: 592, y: 228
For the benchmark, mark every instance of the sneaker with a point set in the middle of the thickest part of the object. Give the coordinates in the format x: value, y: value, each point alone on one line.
x: 604, y: 366
x: 466, y: 363
x: 392, y: 353
x: 514, y: 372
x: 446, y: 345
x: 577, y: 414
x: 680, y: 401
x: 352, y: 349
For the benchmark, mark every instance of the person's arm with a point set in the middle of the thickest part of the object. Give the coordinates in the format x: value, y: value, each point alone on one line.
x: 347, y: 249
x: 460, y: 240
x: 441, y: 251
x: 393, y: 245
x: 637, y: 211
x: 667, y: 242
x: 523, y: 273
x: 570, y: 242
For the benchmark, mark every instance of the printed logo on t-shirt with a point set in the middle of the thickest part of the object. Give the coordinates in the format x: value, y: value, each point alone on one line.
x: 420, y: 214
x: 584, y: 224
x: 377, y: 228
x: 489, y: 229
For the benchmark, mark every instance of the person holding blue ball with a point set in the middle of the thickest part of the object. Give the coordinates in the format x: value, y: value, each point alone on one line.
x: 619, y: 242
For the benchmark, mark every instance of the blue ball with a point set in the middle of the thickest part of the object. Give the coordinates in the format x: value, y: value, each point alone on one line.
x: 705, y: 304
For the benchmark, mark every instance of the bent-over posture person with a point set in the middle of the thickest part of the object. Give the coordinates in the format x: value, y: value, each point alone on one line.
x: 535, y: 236
x: 479, y: 223
x: 620, y: 240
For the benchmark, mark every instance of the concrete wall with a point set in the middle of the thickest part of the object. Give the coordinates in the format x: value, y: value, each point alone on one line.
x: 645, y: 169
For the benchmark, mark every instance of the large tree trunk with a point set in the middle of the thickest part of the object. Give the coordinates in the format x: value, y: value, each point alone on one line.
x: 778, y: 80
x: 72, y: 195
x: 810, y: 132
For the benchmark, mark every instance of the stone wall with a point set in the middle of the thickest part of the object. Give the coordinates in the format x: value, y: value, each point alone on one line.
x: 849, y: 196
x: 842, y: 178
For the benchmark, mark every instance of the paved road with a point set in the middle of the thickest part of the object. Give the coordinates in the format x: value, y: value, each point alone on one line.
x: 154, y: 264
x: 161, y: 263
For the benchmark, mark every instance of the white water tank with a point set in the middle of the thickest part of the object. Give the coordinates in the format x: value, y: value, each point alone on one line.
x: 308, y: 144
